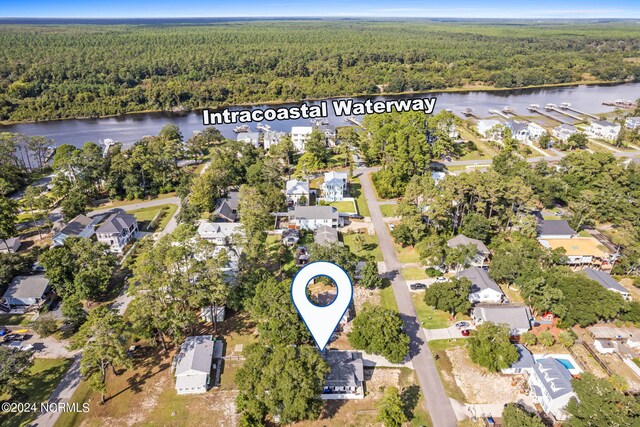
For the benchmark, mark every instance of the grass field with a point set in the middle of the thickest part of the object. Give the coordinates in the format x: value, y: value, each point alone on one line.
x: 387, y: 299
x: 344, y: 206
x: 118, y: 203
x: 146, y: 215
x: 356, y: 191
x: 388, y: 210
x: 370, y: 247
x: 430, y: 318
x: 15, y: 319
x: 44, y: 376
x: 407, y: 254
x: 438, y: 348
x: 414, y: 273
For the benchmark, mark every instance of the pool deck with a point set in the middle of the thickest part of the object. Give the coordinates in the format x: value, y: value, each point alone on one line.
x: 574, y: 370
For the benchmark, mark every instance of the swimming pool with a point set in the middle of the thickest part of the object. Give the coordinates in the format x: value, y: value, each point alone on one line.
x: 566, y: 363
x: 564, y: 359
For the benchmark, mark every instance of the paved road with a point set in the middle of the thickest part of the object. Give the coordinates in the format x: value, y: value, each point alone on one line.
x: 62, y: 394
x: 436, y: 400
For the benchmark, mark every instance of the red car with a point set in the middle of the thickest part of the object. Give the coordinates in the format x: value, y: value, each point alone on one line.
x: 465, y: 332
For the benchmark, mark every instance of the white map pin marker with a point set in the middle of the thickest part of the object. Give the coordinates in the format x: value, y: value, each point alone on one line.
x: 321, y: 321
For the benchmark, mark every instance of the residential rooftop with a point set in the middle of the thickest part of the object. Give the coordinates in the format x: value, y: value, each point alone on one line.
x: 605, y: 280
x: 516, y: 316
x: 480, y: 280
x: 24, y: 287
x: 462, y: 240
x: 558, y: 227
x: 346, y: 368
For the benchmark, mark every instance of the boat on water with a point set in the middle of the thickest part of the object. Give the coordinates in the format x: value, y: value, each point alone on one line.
x: 620, y: 103
x: 507, y: 110
x: 533, y: 107
x: 550, y: 106
x: 241, y: 129
x: 263, y: 128
x: 319, y: 122
x: 565, y: 105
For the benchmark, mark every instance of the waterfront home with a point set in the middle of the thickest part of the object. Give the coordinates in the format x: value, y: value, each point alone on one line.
x: 606, y: 281
x: 555, y: 229
x: 80, y: 226
x: 346, y: 375
x: 486, y: 128
x: 10, y: 245
x: 297, y: 192
x: 220, y: 233
x: 334, y: 187
x: 632, y: 123
x: 26, y: 292
x: 483, y: 288
x: 582, y: 251
x: 517, y: 317
x: 535, y: 131
x: 117, y: 231
x: 564, y: 131
x: 271, y: 138
x: 482, y: 256
x: 603, y: 129
x: 192, y: 366
x: 299, y: 137
x: 519, y: 130
x: 329, y: 133
x: 252, y: 138
x: 550, y: 383
x: 227, y: 208
x: 312, y: 217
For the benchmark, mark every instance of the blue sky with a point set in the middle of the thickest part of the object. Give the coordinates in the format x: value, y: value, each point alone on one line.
x: 328, y: 8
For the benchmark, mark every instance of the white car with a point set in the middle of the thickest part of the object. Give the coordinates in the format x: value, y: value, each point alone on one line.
x: 392, y: 226
x: 441, y: 279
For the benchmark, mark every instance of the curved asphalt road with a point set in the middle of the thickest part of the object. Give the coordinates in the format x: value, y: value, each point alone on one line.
x: 437, y: 401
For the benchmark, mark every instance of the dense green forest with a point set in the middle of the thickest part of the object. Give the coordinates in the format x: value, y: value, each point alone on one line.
x: 56, y: 71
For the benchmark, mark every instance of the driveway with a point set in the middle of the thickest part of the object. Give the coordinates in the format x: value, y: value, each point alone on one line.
x: 437, y: 402
x: 62, y: 394
x: 445, y: 333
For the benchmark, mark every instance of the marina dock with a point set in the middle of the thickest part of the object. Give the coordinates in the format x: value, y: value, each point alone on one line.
x: 563, y: 112
x: 567, y: 106
x: 354, y: 121
x: 536, y: 109
x: 500, y: 113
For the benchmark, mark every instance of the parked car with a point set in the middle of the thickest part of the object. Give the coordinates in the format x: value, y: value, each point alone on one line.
x: 461, y: 325
x: 441, y: 279
x: 356, y: 216
x: 14, y: 337
x: 465, y: 332
x: 417, y: 286
x: 392, y: 226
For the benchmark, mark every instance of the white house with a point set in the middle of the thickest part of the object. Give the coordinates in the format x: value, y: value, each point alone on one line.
x: 10, y: 245
x: 346, y: 375
x: 632, y: 123
x: 312, y: 217
x: 485, y: 127
x: 80, y: 226
x: 535, y: 131
x: 564, y: 131
x: 117, y: 231
x: 252, y: 138
x: 550, y: 383
x: 520, y: 131
x: 295, y: 190
x: 334, y: 186
x: 603, y: 129
x: 517, y: 317
x: 26, y: 291
x: 271, y: 137
x: 193, y: 365
x: 299, y: 137
x: 219, y: 233
x: 483, y: 289
x: 606, y: 281
x: 482, y: 255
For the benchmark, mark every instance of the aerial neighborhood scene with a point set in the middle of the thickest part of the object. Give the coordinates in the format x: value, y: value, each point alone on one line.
x: 483, y: 211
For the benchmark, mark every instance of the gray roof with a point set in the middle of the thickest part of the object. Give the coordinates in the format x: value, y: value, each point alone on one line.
x: 316, y: 212
x: 11, y: 242
x: 76, y: 225
x: 228, y: 207
x: 23, y: 287
x: 516, y: 316
x: 555, y: 227
x: 325, y: 235
x: 605, y: 280
x: 346, y: 368
x: 252, y: 137
x: 525, y: 361
x: 116, y: 223
x: 196, y: 354
x: 567, y: 127
x: 516, y: 126
x: 604, y: 123
x: 480, y: 280
x: 462, y: 240
x: 555, y: 378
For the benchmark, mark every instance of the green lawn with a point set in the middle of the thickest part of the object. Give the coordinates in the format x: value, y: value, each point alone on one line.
x: 388, y: 210
x: 387, y: 299
x: 344, y: 206
x: 44, y: 376
x: 15, y: 319
x: 430, y: 318
x: 370, y: 247
x: 356, y: 191
x: 407, y: 254
x: 118, y: 203
x: 438, y: 348
x: 146, y: 215
x: 414, y: 273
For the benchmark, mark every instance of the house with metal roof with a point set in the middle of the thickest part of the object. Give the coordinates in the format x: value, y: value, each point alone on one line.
x: 219, y: 233
x: 564, y: 131
x: 334, y: 187
x: 603, y: 129
x: 227, y: 208
x: 632, y: 123
x: 606, y: 281
x: 312, y: 217
x: 346, y: 376
x: 482, y: 255
x: 25, y: 292
x: 555, y: 229
x: 524, y: 363
x: 517, y: 317
x: 486, y: 128
x: 295, y: 191
x: 520, y: 131
x: 192, y: 366
x: 483, y: 288
x: 117, y: 231
x: 325, y: 235
x: 252, y: 138
x: 80, y: 226
x: 10, y: 246
x: 550, y: 383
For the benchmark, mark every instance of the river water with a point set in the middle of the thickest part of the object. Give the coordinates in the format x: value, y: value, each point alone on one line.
x: 131, y: 127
